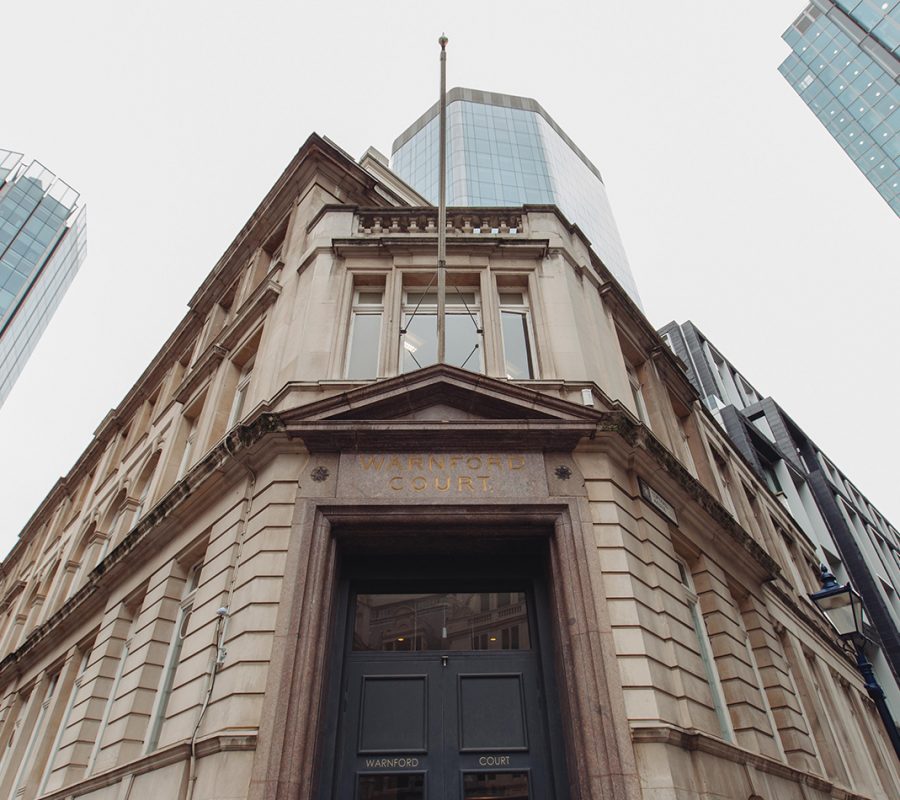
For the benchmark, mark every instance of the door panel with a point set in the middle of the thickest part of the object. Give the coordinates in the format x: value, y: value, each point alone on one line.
x: 394, y: 714
x: 390, y: 725
x: 500, y: 747
x: 491, y: 712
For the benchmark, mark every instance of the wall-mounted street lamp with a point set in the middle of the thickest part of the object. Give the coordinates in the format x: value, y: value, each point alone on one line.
x: 843, y: 608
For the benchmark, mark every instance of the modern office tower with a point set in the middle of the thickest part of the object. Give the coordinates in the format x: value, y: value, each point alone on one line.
x: 42, y: 245
x: 848, y: 533
x: 845, y: 65
x: 301, y: 560
x: 508, y: 151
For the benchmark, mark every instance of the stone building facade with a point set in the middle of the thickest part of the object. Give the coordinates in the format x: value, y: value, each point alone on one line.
x: 548, y: 574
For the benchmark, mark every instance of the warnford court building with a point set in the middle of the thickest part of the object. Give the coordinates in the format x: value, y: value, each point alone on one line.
x: 302, y: 560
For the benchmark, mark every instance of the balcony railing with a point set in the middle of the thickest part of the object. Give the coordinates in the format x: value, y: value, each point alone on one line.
x: 480, y: 222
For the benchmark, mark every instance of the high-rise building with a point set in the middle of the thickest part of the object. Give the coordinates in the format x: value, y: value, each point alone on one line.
x: 845, y: 65
x: 42, y: 245
x: 848, y: 532
x: 508, y: 151
x: 292, y: 563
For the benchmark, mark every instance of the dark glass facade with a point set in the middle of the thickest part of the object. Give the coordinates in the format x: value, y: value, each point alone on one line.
x: 42, y: 245
x: 507, y: 151
x: 845, y: 67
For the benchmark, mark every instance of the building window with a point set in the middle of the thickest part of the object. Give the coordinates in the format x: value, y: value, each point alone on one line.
x: 54, y: 750
x: 365, y: 333
x: 518, y: 339
x: 724, y: 481
x: 16, y: 732
x: 114, y: 688
x: 240, y: 394
x: 463, y: 329
x: 144, y: 487
x: 706, y: 655
x: 189, y: 442
x: 637, y: 394
x: 35, y: 735
x: 182, y: 623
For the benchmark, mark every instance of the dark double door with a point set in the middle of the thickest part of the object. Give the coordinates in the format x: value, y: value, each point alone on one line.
x: 442, y: 698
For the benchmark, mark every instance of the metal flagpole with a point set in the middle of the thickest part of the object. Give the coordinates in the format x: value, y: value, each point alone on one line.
x: 442, y: 212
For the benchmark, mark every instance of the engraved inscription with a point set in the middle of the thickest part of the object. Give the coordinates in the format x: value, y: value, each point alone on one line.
x: 457, y: 475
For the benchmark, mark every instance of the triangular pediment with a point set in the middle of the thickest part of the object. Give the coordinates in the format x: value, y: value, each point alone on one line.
x: 444, y: 402
x: 442, y: 392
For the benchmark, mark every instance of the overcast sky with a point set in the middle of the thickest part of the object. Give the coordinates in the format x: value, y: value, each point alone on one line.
x: 737, y: 209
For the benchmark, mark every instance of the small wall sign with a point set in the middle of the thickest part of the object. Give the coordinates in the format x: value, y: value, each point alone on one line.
x: 656, y: 500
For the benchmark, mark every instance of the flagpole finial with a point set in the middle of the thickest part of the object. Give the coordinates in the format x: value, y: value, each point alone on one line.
x: 443, y: 41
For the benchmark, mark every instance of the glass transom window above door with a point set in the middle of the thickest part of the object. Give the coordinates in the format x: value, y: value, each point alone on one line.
x: 456, y: 621
x: 464, y: 335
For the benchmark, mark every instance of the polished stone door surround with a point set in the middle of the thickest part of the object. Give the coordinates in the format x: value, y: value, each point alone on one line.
x: 293, y: 736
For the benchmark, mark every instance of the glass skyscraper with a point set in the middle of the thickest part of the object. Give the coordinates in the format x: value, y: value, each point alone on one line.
x: 507, y: 151
x: 42, y: 245
x: 845, y: 67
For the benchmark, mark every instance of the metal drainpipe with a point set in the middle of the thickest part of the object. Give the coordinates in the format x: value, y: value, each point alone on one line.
x: 222, y: 621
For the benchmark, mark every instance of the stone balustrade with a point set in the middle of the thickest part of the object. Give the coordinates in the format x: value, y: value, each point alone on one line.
x: 478, y: 222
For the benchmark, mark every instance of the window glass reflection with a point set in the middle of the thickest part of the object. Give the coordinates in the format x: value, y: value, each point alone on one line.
x: 516, y: 347
x: 442, y: 621
x: 392, y: 787
x: 363, y: 362
x: 463, y: 343
x: 420, y: 341
x: 365, y: 334
x: 485, y: 785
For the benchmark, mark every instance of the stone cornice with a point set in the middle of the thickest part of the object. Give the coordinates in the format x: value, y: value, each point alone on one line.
x: 639, y: 326
x: 315, y: 154
x: 11, y: 594
x: 206, y: 365
x: 674, y: 370
x: 424, y: 382
x: 250, y: 312
x: 327, y: 209
x: 705, y: 499
x: 248, y: 315
x: 165, y: 756
x: 90, y: 597
x: 814, y: 622
x: 531, y: 435
x: 694, y: 740
x: 635, y: 438
x: 398, y: 244
x: 532, y: 419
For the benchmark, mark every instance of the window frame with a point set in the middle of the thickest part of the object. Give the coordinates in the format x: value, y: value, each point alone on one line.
x: 241, y: 390
x: 637, y: 393
x: 717, y: 694
x: 357, y: 309
x: 523, y: 309
x: 173, y: 658
x: 474, y: 311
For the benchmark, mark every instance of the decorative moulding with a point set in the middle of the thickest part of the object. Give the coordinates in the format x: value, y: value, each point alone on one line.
x: 263, y: 296
x: 204, y: 367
